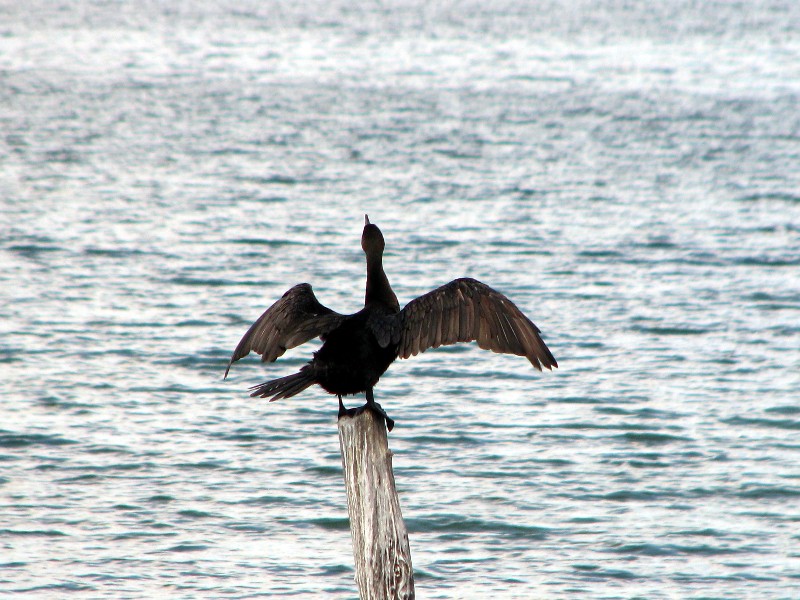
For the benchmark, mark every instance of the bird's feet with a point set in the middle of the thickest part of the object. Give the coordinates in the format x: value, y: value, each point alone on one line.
x: 373, y: 406
x: 378, y: 410
x: 347, y: 412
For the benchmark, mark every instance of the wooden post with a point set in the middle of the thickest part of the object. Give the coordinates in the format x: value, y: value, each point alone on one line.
x: 380, y: 539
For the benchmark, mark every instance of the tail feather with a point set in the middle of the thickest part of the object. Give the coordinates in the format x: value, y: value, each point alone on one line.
x: 284, y: 387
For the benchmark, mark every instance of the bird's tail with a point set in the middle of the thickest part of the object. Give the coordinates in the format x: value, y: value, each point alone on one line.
x: 284, y: 387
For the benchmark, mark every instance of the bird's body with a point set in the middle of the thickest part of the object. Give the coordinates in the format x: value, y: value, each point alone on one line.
x: 351, y: 360
x: 358, y: 348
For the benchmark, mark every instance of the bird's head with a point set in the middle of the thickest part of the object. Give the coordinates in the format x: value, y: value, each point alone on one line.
x: 372, y: 239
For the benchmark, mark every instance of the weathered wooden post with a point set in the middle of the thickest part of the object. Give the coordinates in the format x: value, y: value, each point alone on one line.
x: 380, y: 539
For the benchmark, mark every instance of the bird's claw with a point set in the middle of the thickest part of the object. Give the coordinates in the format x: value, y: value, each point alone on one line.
x: 374, y: 406
x: 378, y: 409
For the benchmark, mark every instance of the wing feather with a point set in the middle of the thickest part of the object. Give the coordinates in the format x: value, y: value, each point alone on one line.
x: 437, y: 316
x: 514, y: 334
x: 467, y: 310
x: 463, y: 317
x: 293, y: 320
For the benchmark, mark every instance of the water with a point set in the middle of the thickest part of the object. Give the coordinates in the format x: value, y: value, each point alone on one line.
x: 628, y: 174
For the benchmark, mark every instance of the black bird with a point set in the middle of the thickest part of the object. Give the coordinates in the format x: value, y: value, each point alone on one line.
x: 358, y: 348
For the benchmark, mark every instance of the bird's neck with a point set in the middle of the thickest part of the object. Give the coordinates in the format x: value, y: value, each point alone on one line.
x: 378, y: 289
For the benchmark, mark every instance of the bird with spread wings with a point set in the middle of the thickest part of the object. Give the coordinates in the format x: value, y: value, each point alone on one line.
x: 357, y: 349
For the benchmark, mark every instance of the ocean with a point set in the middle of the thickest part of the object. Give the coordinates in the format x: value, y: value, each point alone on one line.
x: 628, y: 173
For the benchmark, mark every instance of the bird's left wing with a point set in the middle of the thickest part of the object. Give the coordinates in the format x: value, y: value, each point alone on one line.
x: 466, y: 310
x: 293, y: 320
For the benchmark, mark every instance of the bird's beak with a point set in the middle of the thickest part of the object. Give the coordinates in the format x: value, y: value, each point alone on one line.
x: 366, y: 219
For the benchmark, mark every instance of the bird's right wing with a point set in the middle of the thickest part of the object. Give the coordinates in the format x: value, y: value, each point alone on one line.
x: 293, y: 320
x: 466, y: 310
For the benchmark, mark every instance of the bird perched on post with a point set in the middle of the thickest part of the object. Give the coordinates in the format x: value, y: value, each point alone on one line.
x: 357, y: 349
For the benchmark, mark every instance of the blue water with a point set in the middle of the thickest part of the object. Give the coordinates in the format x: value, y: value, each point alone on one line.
x: 628, y: 174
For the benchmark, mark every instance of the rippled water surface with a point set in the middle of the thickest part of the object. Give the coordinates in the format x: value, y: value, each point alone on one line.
x: 627, y: 174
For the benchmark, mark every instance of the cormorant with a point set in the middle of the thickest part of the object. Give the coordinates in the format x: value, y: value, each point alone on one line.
x: 358, y: 348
